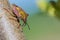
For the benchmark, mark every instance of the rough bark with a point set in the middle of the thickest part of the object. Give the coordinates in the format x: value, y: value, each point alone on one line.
x: 8, y: 24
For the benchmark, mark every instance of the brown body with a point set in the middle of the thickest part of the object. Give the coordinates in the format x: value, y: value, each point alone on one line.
x: 20, y: 14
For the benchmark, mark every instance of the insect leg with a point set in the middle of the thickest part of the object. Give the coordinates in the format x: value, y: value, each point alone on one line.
x: 28, y: 25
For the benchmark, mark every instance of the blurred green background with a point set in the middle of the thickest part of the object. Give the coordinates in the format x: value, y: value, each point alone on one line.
x: 42, y: 26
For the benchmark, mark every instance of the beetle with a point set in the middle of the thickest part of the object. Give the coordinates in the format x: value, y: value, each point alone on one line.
x: 20, y: 14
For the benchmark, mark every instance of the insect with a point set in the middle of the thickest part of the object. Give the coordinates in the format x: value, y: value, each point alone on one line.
x: 20, y: 14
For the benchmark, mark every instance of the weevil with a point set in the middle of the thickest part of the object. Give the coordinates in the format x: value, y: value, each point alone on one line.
x: 20, y: 14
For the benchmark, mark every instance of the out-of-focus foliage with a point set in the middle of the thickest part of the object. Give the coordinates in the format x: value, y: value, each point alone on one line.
x: 51, y: 7
x: 42, y: 4
x: 45, y: 6
x: 56, y: 5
